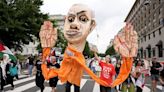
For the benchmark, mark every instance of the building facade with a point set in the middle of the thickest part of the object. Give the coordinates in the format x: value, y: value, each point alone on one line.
x: 30, y: 49
x: 147, y: 18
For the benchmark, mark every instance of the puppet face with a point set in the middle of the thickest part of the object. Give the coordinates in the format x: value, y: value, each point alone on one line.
x: 78, y: 24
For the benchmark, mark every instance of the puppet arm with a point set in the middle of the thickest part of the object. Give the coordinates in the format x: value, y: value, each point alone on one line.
x: 93, y: 76
x: 48, y: 37
x: 48, y: 72
x: 126, y: 44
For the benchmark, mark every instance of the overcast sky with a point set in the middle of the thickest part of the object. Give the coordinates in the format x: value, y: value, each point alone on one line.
x: 109, y: 14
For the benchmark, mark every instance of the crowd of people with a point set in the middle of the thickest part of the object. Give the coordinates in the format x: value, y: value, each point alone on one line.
x: 142, y: 71
x: 79, y: 23
x: 9, y: 70
x: 39, y: 80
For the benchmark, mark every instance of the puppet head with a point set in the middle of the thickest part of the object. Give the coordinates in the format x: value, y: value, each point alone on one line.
x: 79, y: 22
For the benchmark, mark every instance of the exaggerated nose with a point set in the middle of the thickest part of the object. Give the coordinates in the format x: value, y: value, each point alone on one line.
x: 73, y: 26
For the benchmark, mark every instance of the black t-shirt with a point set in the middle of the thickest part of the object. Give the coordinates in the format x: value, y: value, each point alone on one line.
x: 117, y: 69
x: 38, y: 65
x: 128, y: 80
x: 55, y: 65
x: 1, y: 75
x: 54, y: 79
x: 7, y: 69
x: 31, y: 61
x: 155, y: 65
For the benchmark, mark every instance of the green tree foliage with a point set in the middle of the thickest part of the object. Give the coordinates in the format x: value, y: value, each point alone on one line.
x: 101, y: 54
x: 20, y: 57
x: 87, y: 52
x: 61, y: 41
x: 110, y: 51
x: 20, y: 22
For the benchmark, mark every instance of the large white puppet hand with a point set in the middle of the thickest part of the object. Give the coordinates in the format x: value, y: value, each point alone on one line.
x: 48, y: 34
x: 126, y: 42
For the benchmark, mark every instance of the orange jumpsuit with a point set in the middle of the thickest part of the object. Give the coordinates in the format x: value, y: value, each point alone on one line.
x: 72, y: 67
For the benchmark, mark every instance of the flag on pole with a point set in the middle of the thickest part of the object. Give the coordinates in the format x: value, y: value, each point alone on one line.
x: 5, y: 50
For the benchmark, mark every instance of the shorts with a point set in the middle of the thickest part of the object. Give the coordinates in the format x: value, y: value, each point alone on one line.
x: 53, y: 82
x: 39, y: 80
x: 105, y: 89
x: 155, y: 77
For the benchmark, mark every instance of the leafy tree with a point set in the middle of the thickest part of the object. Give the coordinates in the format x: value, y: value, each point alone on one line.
x: 87, y: 51
x: 101, y: 54
x: 20, y: 57
x: 61, y: 41
x: 20, y: 22
x: 110, y: 51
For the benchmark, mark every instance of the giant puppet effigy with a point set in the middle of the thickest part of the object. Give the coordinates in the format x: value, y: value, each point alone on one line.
x: 79, y: 23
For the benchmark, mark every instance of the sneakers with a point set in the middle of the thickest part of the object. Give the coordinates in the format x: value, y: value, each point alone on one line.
x: 2, y: 90
x: 12, y: 88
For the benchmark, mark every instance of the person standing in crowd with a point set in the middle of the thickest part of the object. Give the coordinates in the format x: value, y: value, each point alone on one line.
x: 11, y: 72
x: 53, y: 81
x: 98, y: 69
x: 15, y: 69
x: 31, y: 65
x: 140, y: 76
x: 90, y: 63
x: 128, y: 85
x: 107, y: 73
x: 27, y: 63
x: 117, y: 68
x: 155, y: 69
x: 1, y: 75
x: 39, y: 79
x: 19, y: 67
x: 93, y: 65
x: 161, y: 79
x: 4, y: 62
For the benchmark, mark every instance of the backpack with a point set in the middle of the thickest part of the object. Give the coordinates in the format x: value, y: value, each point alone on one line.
x: 13, y: 70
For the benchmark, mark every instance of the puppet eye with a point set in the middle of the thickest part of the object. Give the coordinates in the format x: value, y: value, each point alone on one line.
x: 83, y: 18
x: 71, y: 18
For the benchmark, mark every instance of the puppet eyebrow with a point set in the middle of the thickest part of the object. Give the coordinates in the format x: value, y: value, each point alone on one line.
x: 71, y: 15
x: 80, y: 12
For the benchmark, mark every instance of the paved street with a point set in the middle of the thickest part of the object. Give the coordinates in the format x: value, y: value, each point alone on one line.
x: 27, y: 84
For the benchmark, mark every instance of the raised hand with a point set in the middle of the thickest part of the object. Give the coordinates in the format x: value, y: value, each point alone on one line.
x: 48, y: 34
x: 93, y: 48
x: 126, y: 42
